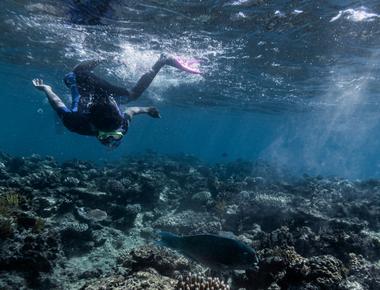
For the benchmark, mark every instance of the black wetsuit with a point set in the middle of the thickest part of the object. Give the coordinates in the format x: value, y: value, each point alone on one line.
x: 88, y: 89
x: 91, y: 89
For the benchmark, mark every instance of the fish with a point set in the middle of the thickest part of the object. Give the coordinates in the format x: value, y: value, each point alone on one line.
x: 214, y: 251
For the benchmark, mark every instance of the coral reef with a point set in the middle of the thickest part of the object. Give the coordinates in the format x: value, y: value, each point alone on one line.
x: 164, y: 261
x: 77, y: 225
x: 200, y: 282
x: 149, y: 280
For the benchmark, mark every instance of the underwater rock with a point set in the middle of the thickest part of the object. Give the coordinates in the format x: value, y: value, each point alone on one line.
x: 91, y: 215
x: 200, y: 282
x: 123, y: 217
x: 41, y: 179
x: 148, y: 279
x: 15, y: 164
x: 8, y: 280
x: 74, y: 228
x: 90, y: 196
x: 47, y: 206
x: 201, y: 198
x: 77, y: 238
x: 30, y: 255
x: 27, y: 220
x: 286, y: 268
x: 71, y: 181
x: 361, y: 274
x: 164, y: 261
x: 114, y: 186
x: 189, y: 222
x: 4, y: 175
x: 7, y: 227
x: 326, y: 271
x: 151, y: 187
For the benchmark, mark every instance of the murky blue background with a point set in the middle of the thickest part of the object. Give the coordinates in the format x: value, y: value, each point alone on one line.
x: 292, y: 82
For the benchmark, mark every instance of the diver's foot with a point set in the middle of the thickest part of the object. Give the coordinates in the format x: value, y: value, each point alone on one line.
x: 153, y: 112
x: 190, y: 66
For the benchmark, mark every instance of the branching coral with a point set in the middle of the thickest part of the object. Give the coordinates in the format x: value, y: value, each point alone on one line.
x: 200, y: 282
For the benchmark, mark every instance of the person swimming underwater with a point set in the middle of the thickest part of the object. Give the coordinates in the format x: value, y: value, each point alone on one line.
x: 94, y: 109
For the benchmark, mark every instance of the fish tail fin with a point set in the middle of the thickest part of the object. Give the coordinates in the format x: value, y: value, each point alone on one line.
x: 168, y: 239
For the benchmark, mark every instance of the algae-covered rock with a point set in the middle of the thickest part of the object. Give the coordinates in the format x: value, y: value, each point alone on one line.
x: 189, y: 222
x: 164, y: 261
x: 202, y: 198
x: 149, y: 280
x: 287, y: 269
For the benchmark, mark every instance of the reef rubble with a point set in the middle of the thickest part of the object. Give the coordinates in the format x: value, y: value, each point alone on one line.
x: 78, y: 225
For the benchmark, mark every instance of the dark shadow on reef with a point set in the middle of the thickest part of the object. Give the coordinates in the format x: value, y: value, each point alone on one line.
x: 80, y: 226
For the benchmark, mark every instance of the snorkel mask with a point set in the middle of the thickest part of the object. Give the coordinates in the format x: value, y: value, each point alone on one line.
x: 110, y: 139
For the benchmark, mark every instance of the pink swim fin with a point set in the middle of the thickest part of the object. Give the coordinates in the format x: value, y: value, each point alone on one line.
x: 187, y: 65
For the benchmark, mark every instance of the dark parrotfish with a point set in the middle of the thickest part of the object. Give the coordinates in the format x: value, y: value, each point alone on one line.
x: 216, y: 252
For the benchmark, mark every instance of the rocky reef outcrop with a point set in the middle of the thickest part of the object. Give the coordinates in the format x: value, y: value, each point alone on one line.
x: 78, y: 225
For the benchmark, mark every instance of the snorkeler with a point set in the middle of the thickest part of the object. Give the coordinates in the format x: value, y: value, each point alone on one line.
x: 94, y: 109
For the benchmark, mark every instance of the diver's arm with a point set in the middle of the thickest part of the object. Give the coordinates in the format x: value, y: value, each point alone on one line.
x: 54, y: 100
x: 151, y: 111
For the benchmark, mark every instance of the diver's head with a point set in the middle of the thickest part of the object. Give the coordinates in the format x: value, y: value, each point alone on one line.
x: 108, y: 120
x: 110, y: 139
x: 106, y: 116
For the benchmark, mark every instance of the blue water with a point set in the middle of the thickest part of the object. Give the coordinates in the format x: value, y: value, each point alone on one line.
x: 292, y: 82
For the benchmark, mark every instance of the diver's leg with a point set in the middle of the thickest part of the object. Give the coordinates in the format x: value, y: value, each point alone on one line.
x: 144, y: 82
x: 147, y: 78
x: 102, y: 88
x: 89, y: 82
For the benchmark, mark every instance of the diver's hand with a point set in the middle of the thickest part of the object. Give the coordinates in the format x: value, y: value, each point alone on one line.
x: 39, y: 84
x: 153, y: 112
